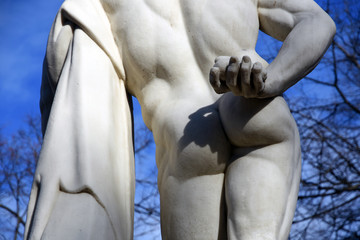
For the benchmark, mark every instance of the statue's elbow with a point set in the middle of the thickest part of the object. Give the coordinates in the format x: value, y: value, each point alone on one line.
x: 329, y: 26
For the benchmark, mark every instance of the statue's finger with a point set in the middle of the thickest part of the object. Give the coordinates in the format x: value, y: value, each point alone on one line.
x: 257, y: 78
x: 215, y: 82
x: 215, y: 77
x: 245, y: 73
x: 232, y: 72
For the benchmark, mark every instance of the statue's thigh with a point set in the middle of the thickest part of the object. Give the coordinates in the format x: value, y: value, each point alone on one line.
x: 262, y: 178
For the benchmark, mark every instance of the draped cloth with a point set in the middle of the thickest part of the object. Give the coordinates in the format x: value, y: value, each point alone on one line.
x: 84, y: 180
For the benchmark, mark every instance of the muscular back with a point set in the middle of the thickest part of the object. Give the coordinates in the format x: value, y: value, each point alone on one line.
x: 168, y: 47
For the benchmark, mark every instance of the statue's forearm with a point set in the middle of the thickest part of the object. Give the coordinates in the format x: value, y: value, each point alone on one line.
x: 301, y: 51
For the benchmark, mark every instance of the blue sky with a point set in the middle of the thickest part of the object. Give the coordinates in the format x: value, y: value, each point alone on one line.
x: 24, y: 28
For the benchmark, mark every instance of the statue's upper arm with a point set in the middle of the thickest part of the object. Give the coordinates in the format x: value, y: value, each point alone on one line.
x: 278, y: 17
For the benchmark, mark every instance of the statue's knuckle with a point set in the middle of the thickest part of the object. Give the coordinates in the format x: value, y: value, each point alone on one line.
x: 246, y: 84
x: 230, y: 83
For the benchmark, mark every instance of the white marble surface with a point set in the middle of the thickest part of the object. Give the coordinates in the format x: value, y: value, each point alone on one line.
x: 229, y: 163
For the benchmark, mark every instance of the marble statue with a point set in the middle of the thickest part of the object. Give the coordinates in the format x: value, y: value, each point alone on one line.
x: 227, y: 147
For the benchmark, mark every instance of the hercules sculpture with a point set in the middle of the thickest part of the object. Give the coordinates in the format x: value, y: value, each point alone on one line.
x: 227, y: 147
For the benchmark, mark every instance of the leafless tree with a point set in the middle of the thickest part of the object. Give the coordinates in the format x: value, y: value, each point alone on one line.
x: 147, y: 203
x: 18, y: 156
x: 328, y: 115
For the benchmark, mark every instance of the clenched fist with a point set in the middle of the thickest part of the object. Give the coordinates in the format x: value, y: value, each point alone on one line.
x: 241, y: 77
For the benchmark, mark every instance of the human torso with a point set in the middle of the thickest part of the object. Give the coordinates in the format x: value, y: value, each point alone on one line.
x: 169, y: 46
